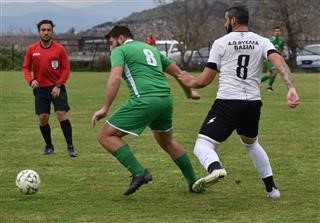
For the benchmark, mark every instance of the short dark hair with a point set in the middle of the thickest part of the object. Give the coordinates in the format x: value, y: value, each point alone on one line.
x: 116, y: 31
x: 45, y: 21
x: 241, y: 13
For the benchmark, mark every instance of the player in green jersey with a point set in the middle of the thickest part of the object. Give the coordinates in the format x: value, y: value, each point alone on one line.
x: 278, y: 43
x: 149, y: 105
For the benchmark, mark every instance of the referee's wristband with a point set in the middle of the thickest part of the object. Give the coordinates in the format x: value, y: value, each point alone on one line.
x: 58, y: 85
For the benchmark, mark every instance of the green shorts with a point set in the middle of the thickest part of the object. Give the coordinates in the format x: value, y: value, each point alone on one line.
x: 138, y: 113
x: 270, y: 66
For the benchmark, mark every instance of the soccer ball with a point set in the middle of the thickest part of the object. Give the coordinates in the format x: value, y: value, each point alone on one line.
x: 28, y: 181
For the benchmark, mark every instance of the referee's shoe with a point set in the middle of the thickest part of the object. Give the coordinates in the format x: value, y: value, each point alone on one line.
x: 137, y: 182
x: 48, y: 150
x: 72, y: 152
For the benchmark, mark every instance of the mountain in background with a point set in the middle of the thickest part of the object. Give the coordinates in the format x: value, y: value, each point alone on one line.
x: 160, y: 22
x: 24, y: 16
x: 176, y: 20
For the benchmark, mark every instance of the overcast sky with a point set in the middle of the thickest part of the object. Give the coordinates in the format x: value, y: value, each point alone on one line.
x: 81, y: 14
x: 77, y: 3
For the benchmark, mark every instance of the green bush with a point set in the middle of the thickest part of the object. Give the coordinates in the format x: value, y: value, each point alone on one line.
x: 10, y: 59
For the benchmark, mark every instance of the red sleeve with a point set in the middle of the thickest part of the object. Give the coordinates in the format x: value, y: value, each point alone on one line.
x: 27, y: 64
x: 65, y: 66
x: 153, y: 42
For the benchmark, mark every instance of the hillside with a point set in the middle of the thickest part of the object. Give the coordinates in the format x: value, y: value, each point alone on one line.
x: 158, y: 22
x: 293, y: 16
x: 196, y: 23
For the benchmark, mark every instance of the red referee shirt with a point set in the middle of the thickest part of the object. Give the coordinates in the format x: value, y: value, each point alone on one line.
x: 48, y: 66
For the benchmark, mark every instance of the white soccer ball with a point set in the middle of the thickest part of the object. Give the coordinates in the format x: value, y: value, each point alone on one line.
x: 28, y: 181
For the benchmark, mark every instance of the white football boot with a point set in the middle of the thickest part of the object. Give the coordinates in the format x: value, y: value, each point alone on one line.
x: 214, y: 177
x: 274, y: 194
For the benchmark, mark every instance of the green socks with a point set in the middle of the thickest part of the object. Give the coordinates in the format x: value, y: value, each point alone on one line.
x: 264, y: 78
x: 271, y: 81
x: 125, y: 156
x: 183, y: 162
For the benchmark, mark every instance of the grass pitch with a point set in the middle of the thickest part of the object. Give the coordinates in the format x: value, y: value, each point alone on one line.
x: 89, y: 188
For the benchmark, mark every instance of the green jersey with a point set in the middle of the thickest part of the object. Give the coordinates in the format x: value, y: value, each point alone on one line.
x: 143, y: 68
x: 278, y: 43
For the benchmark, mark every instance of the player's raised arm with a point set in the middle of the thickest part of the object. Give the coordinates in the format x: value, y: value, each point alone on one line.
x: 292, y: 95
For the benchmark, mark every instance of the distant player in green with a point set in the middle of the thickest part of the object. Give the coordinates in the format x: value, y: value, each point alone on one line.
x: 278, y: 43
x: 149, y: 105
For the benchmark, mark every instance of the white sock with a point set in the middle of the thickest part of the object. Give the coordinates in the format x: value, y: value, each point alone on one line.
x: 259, y: 158
x: 205, y: 151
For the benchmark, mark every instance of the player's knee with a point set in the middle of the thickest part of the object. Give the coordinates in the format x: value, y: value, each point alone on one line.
x: 248, y: 143
x: 101, y: 137
x: 43, y: 119
x: 166, y: 144
x: 61, y: 115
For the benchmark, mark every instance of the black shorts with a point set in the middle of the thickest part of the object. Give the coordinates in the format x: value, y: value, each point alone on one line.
x: 228, y: 115
x: 43, y: 100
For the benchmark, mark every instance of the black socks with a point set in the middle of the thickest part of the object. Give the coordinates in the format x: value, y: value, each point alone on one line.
x: 269, y: 183
x: 67, y: 131
x: 46, y: 134
x: 214, y: 166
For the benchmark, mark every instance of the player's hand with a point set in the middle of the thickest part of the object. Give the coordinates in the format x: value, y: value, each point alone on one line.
x: 98, y: 115
x: 292, y: 98
x: 186, y: 79
x: 195, y: 95
x: 34, y: 84
x: 55, y: 92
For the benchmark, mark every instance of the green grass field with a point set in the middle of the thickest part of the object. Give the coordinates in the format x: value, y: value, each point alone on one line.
x: 89, y: 188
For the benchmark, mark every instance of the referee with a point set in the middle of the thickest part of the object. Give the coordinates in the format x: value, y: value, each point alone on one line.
x: 46, y: 69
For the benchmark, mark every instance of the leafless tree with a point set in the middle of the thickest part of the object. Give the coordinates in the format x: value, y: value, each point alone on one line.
x: 300, y: 21
x: 192, y: 21
x: 188, y: 21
